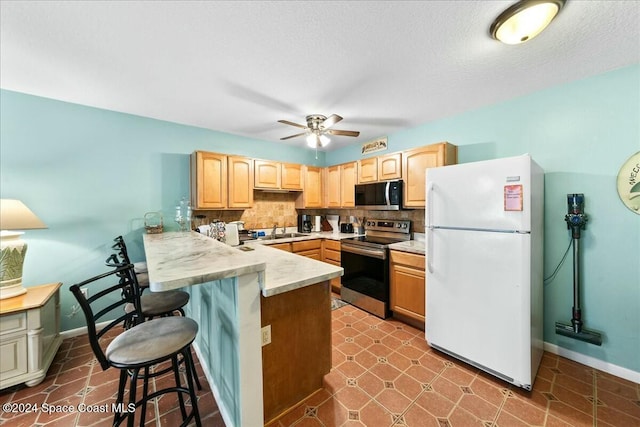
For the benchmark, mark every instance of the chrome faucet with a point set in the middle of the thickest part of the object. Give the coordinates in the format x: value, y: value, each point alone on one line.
x: 284, y: 229
x: 273, y: 232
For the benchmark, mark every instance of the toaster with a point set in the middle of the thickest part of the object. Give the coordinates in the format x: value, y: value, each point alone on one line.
x: 346, y: 228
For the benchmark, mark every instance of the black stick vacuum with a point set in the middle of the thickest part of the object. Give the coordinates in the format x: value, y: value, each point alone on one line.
x: 576, y: 220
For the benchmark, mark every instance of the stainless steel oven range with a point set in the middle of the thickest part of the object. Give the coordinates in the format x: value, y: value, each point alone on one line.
x: 365, y: 282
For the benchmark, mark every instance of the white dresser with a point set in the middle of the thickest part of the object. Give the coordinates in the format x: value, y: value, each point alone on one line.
x: 29, y: 335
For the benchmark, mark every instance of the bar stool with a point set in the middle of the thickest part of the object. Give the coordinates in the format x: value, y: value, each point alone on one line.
x: 152, y: 304
x: 158, y: 304
x: 140, y: 347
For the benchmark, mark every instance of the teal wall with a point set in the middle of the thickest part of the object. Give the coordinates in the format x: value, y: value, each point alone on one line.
x: 91, y: 174
x: 580, y: 133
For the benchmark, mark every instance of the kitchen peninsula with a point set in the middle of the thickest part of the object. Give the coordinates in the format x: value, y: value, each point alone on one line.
x: 234, y: 295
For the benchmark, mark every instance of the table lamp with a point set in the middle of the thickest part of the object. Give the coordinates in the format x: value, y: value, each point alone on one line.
x: 14, y: 215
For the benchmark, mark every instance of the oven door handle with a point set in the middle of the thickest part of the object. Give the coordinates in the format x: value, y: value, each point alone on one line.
x: 365, y: 252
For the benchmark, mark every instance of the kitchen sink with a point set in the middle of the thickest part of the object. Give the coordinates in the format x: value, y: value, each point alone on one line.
x: 283, y: 236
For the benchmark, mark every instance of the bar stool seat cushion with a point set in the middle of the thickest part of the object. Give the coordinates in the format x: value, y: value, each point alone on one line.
x: 143, y: 279
x: 152, y: 340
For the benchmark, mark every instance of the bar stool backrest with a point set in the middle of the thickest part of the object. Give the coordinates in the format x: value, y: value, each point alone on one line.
x: 110, y: 292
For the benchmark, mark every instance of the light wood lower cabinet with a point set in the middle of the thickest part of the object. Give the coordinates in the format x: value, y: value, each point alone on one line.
x: 331, y: 255
x: 29, y: 335
x: 309, y: 248
x: 282, y: 246
x: 407, y: 287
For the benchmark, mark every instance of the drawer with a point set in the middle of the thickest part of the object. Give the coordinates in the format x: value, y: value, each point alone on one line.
x: 312, y: 253
x: 333, y: 255
x: 282, y: 246
x: 406, y: 258
x: 332, y: 244
x: 306, y: 245
x: 13, y: 323
x: 332, y: 262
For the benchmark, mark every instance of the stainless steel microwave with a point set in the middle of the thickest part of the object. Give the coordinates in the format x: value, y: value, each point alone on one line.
x: 380, y: 196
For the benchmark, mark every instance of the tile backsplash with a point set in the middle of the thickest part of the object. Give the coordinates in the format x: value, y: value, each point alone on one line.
x: 268, y: 209
x: 280, y: 208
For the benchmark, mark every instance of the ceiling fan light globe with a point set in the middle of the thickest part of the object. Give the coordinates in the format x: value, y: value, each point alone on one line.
x: 324, y: 140
x: 311, y: 140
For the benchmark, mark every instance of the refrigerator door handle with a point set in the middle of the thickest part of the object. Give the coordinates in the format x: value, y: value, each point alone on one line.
x: 429, y: 228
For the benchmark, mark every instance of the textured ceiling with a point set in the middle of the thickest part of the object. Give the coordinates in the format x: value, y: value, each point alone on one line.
x: 238, y: 67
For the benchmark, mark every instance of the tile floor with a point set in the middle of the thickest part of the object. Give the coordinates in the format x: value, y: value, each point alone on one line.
x: 384, y: 374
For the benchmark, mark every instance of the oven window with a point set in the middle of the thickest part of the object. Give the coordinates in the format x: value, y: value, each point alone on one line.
x: 366, y: 275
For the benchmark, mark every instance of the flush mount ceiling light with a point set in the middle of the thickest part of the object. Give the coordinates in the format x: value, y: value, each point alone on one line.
x: 524, y: 20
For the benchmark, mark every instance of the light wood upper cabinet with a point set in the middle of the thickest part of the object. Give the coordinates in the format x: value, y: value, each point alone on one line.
x: 332, y: 191
x: 407, y: 286
x: 311, y: 197
x: 266, y: 174
x: 292, y: 176
x: 368, y: 170
x: 416, y: 162
x: 240, y: 182
x: 381, y: 168
x: 390, y: 167
x: 348, y: 176
x: 221, y: 182
x: 208, y: 180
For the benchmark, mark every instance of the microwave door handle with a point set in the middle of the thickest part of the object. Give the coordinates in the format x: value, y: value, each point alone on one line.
x: 387, y: 199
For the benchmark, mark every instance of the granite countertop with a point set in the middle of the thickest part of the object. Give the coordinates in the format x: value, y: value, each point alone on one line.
x: 287, y: 271
x: 412, y: 246
x: 177, y: 259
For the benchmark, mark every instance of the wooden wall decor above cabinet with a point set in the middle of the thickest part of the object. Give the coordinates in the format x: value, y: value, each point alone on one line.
x: 380, y: 168
x: 221, y: 182
x: 277, y: 176
x: 416, y: 162
x: 311, y: 197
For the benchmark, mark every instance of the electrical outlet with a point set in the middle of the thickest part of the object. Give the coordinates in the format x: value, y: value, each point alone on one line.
x: 85, y: 292
x: 266, y: 335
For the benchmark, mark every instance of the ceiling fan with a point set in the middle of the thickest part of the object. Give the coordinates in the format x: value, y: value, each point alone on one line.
x: 316, y: 129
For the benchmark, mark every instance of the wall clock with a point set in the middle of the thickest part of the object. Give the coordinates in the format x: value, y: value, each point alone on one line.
x: 629, y: 183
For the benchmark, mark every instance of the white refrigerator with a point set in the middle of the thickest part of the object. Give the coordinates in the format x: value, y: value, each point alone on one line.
x: 484, y: 278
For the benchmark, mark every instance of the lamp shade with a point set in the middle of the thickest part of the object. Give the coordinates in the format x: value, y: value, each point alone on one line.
x: 14, y: 215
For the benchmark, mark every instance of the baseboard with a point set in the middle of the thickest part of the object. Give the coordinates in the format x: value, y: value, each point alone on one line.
x: 592, y: 362
x: 81, y: 331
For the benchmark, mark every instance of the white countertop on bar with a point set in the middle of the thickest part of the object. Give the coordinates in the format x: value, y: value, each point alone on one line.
x: 178, y: 259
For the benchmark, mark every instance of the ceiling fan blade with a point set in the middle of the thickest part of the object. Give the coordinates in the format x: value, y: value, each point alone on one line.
x: 293, y: 136
x: 343, y: 132
x: 331, y: 120
x: 287, y: 122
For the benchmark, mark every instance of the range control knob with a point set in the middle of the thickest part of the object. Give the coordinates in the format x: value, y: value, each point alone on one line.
x: 404, y: 225
x: 398, y: 225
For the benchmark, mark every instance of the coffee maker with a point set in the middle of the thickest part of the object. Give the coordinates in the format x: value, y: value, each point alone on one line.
x: 305, y: 223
